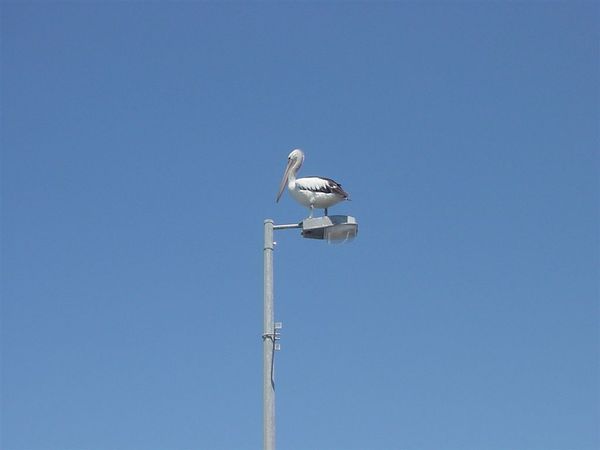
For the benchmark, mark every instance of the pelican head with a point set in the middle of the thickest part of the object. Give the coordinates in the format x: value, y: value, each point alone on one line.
x: 295, y: 159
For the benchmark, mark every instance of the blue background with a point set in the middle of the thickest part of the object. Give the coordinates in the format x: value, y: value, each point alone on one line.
x: 142, y: 147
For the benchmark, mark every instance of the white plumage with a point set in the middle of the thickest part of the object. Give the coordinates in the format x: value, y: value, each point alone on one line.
x: 312, y: 192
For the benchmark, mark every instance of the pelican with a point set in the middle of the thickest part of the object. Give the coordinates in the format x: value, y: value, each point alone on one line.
x: 312, y: 192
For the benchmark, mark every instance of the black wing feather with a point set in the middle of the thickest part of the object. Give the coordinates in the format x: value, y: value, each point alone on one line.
x: 331, y: 186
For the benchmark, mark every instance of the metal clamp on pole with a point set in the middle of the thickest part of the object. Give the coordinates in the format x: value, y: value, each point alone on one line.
x: 275, y: 336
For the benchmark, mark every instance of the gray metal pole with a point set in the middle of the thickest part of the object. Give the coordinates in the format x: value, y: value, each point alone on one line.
x: 268, y: 342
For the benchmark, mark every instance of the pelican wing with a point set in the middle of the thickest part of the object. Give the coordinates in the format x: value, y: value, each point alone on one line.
x: 321, y: 184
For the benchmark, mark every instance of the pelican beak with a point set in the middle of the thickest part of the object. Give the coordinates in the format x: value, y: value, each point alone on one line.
x: 284, y: 179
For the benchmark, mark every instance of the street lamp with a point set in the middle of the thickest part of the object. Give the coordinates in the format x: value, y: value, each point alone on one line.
x: 330, y: 228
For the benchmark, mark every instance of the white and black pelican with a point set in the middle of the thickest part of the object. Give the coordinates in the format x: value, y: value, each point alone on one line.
x: 312, y: 192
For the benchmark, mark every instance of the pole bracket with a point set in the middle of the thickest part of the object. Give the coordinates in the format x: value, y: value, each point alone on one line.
x: 275, y: 336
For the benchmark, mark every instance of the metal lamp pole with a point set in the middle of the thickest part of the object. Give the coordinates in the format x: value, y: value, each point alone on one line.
x: 328, y: 227
x: 268, y: 343
x: 269, y: 337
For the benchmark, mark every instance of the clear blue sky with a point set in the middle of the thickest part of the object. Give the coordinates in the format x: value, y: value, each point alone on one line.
x: 142, y: 147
